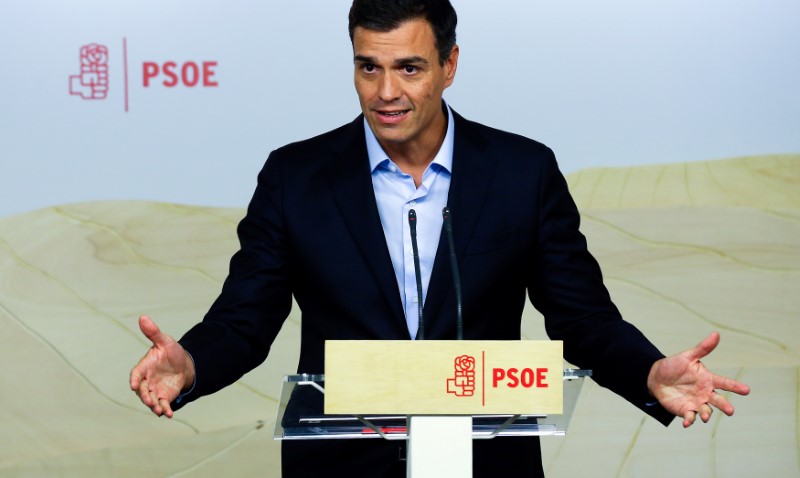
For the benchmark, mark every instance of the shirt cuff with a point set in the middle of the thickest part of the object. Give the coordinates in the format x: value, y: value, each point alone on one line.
x: 180, y: 397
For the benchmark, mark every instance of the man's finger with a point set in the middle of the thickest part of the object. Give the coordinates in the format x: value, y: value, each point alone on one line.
x: 705, y: 347
x: 156, y: 407
x: 722, y: 403
x: 151, y: 330
x: 705, y: 413
x: 144, y: 393
x: 136, y: 378
x: 166, y: 409
x: 730, y: 385
x: 688, y: 418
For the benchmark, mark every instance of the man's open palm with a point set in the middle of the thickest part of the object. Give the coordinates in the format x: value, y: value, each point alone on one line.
x: 163, y: 372
x: 685, y: 387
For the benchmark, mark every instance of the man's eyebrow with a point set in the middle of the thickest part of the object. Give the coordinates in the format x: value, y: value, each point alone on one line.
x: 364, y: 59
x: 411, y: 60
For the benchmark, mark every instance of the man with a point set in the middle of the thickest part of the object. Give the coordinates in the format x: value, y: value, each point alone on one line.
x: 328, y: 224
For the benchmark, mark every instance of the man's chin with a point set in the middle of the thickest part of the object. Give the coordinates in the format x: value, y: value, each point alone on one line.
x: 392, y: 134
x: 391, y: 139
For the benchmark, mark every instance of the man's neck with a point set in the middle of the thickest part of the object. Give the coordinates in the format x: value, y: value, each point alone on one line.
x: 414, y: 157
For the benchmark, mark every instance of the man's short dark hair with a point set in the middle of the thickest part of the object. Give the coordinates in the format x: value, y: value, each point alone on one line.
x: 386, y: 15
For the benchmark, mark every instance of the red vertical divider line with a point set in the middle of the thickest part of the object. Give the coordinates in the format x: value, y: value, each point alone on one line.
x: 125, y: 67
x: 483, y: 378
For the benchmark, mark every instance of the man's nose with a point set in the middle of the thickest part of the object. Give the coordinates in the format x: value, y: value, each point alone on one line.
x: 389, y: 89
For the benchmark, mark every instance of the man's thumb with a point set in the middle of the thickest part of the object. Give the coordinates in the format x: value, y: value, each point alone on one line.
x: 150, y: 330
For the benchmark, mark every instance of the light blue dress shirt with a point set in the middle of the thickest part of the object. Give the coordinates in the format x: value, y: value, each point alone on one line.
x: 396, y: 194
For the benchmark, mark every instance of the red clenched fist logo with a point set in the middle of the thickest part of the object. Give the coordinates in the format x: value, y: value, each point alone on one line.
x: 463, y: 382
x: 92, y: 82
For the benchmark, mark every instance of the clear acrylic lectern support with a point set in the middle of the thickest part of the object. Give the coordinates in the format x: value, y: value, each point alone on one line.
x: 438, y: 446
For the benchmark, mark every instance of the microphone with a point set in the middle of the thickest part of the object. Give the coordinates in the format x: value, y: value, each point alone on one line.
x: 448, y: 227
x: 412, y: 223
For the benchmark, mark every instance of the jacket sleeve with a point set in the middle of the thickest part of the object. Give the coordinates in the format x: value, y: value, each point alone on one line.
x: 567, y: 288
x: 236, y: 334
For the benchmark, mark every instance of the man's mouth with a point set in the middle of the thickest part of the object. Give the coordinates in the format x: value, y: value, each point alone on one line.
x: 392, y: 113
x: 391, y: 117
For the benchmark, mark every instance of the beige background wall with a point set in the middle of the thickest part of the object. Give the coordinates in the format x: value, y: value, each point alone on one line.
x: 685, y: 248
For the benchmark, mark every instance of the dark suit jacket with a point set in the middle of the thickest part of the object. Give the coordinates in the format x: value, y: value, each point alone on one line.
x: 313, y: 230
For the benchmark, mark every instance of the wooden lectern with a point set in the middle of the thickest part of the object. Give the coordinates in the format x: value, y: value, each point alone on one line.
x: 438, y: 395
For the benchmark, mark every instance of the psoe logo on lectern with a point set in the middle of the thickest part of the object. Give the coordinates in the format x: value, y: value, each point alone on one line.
x: 463, y: 382
x: 92, y: 81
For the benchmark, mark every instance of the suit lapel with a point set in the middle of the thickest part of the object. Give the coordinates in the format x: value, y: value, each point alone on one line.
x: 472, y: 176
x: 355, y: 198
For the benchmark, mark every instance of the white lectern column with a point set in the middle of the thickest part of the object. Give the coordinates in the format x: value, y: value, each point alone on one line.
x: 439, y: 447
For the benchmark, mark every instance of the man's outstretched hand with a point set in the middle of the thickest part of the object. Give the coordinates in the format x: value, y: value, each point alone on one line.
x: 164, y: 371
x: 685, y: 387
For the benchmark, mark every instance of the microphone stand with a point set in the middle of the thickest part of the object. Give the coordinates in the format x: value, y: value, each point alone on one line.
x: 412, y: 224
x: 448, y: 227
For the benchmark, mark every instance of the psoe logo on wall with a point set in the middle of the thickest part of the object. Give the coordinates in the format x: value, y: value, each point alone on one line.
x: 93, y: 80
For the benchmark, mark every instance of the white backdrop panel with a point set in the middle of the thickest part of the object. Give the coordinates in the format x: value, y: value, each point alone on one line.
x: 603, y: 83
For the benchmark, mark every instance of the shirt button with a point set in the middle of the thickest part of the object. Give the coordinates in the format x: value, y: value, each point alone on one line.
x: 392, y: 169
x: 412, y: 203
x: 416, y: 299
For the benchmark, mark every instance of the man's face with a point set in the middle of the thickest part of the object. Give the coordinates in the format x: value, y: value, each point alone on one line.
x: 399, y: 82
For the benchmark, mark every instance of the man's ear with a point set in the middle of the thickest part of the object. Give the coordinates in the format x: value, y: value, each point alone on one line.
x: 450, y: 66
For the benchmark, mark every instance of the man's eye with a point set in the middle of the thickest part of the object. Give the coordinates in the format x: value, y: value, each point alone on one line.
x: 410, y: 69
x: 369, y: 68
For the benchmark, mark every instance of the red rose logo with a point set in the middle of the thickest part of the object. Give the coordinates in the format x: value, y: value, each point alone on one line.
x: 94, y: 54
x: 465, y: 363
